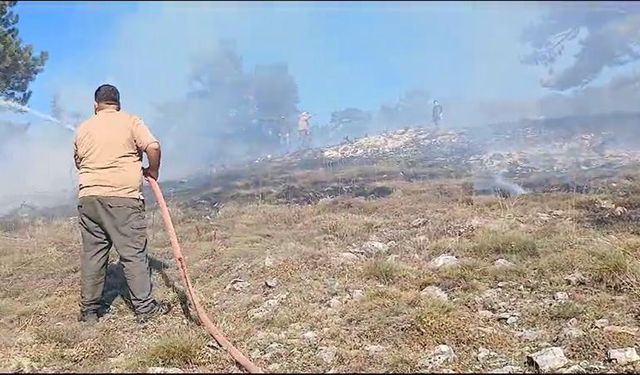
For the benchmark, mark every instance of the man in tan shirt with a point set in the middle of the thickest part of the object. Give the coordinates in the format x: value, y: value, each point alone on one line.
x: 108, y: 150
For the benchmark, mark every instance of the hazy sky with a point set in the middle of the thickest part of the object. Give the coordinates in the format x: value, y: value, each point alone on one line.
x: 341, y: 54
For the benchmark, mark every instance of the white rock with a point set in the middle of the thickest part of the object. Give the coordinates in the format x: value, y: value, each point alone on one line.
x: 503, y: 263
x: 357, y: 295
x: 530, y: 335
x: 370, y: 249
x: 572, y: 332
x: 576, y: 278
x: 549, y: 359
x: 440, y: 355
x: 443, y: 261
x: 310, y: 337
x: 485, y: 314
x: 267, y: 307
x: 268, y: 261
x: 623, y: 356
x: 375, y: 350
x: 435, y: 293
x: 334, y: 303
x: 238, y: 285
x: 601, y: 323
x: 561, y: 296
x: 510, y: 318
x: 271, y: 283
x: 484, y: 354
x: 504, y: 316
x: 327, y: 354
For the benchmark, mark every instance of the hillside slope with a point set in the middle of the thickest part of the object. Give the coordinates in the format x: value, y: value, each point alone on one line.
x: 398, y: 258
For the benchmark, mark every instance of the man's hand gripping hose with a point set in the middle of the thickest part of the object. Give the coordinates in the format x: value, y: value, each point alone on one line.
x: 193, y: 299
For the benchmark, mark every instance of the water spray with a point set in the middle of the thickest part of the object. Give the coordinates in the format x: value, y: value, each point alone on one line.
x: 17, y: 107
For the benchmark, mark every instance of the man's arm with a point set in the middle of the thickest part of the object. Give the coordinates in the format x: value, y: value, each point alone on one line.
x: 76, y: 158
x: 153, y: 154
x: 146, y: 142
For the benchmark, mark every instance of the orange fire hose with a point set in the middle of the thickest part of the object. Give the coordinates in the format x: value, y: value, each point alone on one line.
x: 193, y: 299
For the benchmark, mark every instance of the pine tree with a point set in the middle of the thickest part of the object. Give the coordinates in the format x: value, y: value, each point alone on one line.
x: 18, y: 64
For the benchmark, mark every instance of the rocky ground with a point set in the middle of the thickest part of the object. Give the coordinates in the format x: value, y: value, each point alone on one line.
x: 410, y: 252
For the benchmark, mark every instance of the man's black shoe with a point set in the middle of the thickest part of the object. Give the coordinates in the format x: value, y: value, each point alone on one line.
x: 88, y: 317
x: 157, y: 310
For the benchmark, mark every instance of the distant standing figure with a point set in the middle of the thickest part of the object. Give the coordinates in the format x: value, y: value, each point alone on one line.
x: 304, y: 130
x: 437, y: 113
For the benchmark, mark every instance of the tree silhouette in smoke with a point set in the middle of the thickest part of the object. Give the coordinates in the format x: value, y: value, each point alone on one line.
x: 275, y: 95
x: 350, y: 121
x: 414, y: 107
x: 612, y: 39
x: 226, y: 108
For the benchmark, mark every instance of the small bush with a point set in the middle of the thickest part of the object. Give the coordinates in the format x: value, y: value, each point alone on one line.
x: 177, y: 351
x: 492, y: 243
x: 615, y: 270
x: 567, y: 311
x: 66, y: 337
x: 383, y: 270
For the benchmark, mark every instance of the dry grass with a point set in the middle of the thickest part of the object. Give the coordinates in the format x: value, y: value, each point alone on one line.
x: 300, y: 246
x: 383, y: 270
x: 176, y: 350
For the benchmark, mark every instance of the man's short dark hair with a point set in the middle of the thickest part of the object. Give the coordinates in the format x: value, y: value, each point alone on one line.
x: 107, y: 94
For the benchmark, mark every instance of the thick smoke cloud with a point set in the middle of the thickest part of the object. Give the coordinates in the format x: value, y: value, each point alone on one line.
x: 228, y: 114
x: 620, y: 94
x: 606, y: 36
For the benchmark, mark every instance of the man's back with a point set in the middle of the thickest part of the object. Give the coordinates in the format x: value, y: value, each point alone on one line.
x: 108, y: 149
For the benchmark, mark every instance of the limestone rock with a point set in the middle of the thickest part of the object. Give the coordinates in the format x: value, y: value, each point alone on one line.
x: 549, y: 359
x: 440, y: 355
x: 623, y: 356
x: 443, y: 261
